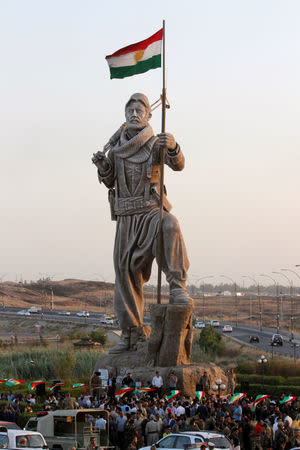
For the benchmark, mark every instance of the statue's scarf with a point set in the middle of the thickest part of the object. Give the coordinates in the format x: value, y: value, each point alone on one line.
x: 133, y: 149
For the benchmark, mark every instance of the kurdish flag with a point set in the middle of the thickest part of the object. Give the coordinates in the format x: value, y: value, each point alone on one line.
x: 200, y: 395
x: 78, y: 385
x: 13, y: 382
x: 287, y: 399
x: 55, y: 385
x: 259, y: 398
x: 34, y: 384
x: 174, y: 394
x: 136, y: 58
x: 123, y: 391
x: 236, y: 397
x: 145, y: 389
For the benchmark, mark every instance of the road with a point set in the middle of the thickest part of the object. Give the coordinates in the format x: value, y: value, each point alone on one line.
x: 242, y: 333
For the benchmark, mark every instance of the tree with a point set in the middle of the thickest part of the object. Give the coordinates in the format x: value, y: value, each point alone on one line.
x: 210, y: 340
x: 99, y: 335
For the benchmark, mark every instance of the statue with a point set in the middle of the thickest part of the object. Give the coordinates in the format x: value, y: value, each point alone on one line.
x: 131, y: 172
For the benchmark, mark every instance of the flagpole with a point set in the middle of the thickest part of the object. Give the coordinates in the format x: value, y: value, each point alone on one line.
x: 162, y: 168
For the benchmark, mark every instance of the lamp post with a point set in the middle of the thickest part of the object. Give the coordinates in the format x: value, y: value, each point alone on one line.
x: 235, y: 296
x: 259, y: 300
x: 277, y: 298
x: 203, y: 296
x: 291, y: 299
x: 219, y: 386
x: 263, y: 360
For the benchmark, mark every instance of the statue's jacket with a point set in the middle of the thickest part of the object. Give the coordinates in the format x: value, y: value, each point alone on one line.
x: 133, y: 175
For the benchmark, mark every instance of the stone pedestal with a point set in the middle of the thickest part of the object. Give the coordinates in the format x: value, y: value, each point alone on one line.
x: 171, y: 337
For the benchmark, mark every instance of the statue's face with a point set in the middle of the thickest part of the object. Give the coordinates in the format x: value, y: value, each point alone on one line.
x: 137, y: 116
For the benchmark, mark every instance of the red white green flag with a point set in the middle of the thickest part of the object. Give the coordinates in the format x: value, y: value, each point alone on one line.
x: 259, y: 398
x: 78, y: 385
x: 123, y: 391
x: 55, y: 385
x: 3, y: 380
x: 200, y: 395
x: 13, y: 382
x: 145, y: 389
x: 34, y: 384
x: 174, y: 394
x: 136, y: 58
x: 252, y: 408
x: 287, y: 399
x: 236, y: 397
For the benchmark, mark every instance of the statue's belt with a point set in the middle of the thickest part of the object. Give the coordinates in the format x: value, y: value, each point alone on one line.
x: 132, y: 205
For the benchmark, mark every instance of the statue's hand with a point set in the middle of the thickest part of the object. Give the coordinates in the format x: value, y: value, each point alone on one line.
x: 167, y: 140
x: 100, y: 161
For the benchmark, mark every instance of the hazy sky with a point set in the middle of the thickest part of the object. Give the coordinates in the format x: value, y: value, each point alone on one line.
x: 233, y: 71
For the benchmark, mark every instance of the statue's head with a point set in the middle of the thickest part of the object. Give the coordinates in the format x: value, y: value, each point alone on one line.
x: 137, y: 112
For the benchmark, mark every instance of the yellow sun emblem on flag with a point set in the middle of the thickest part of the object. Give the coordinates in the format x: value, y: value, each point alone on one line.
x: 138, y: 55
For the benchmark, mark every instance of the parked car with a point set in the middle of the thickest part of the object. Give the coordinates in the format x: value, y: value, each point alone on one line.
x: 83, y: 314
x: 189, y: 438
x: 22, y: 439
x: 253, y: 338
x: 9, y: 425
x: 227, y: 329
x: 199, y: 325
x: 277, y: 339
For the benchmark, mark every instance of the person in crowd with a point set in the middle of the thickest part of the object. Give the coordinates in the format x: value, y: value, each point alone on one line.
x: 157, y: 383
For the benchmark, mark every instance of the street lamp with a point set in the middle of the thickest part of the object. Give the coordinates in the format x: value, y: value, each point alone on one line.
x: 277, y: 297
x: 291, y: 298
x: 263, y: 360
x: 259, y: 301
x: 203, y: 296
x: 219, y: 386
x: 235, y: 296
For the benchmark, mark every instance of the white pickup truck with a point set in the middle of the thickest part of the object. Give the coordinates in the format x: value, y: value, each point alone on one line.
x: 67, y: 428
x: 22, y: 439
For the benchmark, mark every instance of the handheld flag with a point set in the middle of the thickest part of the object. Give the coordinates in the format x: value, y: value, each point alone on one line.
x: 136, y: 58
x: 78, y: 385
x: 123, y: 391
x: 145, y: 389
x: 287, y: 399
x: 55, y: 385
x: 174, y: 394
x: 236, y: 397
x: 34, y: 384
x: 13, y: 382
x: 259, y: 399
x: 200, y: 395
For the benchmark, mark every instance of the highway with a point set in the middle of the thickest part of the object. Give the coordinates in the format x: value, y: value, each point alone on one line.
x: 240, y: 334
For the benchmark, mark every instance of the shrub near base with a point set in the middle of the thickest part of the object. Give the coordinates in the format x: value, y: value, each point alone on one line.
x: 273, y: 391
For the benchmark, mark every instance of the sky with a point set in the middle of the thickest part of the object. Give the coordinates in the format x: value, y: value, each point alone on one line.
x: 233, y: 71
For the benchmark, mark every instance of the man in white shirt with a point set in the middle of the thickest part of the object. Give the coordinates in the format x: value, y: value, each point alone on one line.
x: 180, y: 410
x: 157, y: 383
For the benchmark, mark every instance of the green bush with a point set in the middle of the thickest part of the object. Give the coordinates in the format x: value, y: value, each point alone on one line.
x: 256, y: 379
x: 273, y: 391
x: 293, y: 381
x: 99, y: 335
x: 210, y: 341
x: 246, y: 367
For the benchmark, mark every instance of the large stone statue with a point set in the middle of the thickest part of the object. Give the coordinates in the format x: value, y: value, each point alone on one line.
x: 131, y: 171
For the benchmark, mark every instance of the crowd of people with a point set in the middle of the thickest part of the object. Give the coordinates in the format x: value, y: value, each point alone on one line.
x: 142, y: 418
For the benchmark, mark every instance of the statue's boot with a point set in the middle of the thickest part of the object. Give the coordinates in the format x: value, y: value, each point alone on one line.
x: 123, y: 345
x: 180, y: 296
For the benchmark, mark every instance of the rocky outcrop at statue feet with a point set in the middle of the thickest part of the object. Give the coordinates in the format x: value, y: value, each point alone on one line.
x: 171, y: 338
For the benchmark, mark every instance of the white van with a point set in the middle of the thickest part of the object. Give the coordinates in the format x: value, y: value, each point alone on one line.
x: 21, y: 439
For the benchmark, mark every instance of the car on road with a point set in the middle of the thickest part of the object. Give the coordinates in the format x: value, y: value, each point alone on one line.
x: 106, y: 320
x: 191, y: 438
x: 23, y: 312
x: 83, y: 314
x: 277, y: 339
x: 227, y: 329
x: 214, y: 323
x: 199, y: 324
x: 253, y: 338
x: 64, y: 313
x: 21, y: 439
